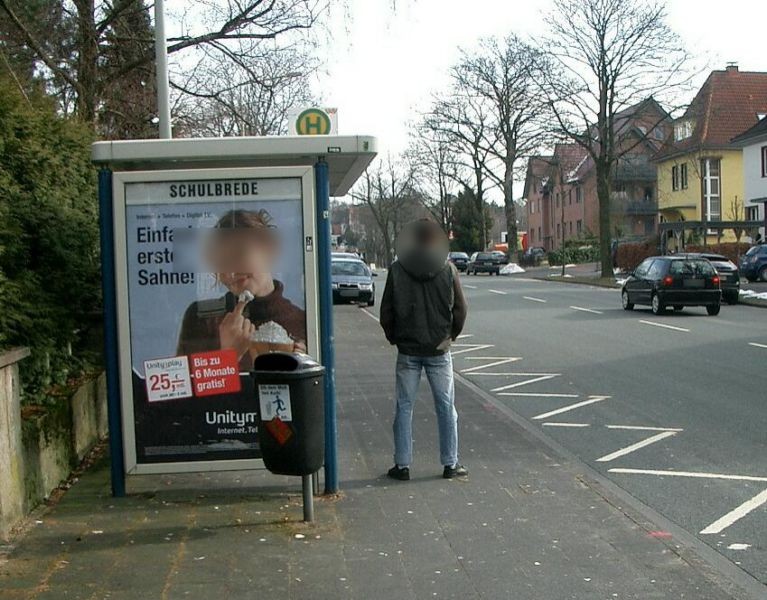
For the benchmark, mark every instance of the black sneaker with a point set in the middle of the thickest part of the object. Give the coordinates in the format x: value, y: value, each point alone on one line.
x: 400, y: 473
x: 455, y: 471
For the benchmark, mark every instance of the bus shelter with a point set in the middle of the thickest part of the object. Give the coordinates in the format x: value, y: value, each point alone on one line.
x: 190, y: 229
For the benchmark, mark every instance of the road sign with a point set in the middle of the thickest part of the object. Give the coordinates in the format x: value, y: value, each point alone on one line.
x: 315, y: 121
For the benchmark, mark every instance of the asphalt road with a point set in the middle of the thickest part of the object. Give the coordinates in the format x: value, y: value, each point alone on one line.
x: 673, y: 409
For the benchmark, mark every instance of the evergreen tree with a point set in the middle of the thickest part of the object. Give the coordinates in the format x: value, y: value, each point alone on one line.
x: 49, y: 264
x: 468, y: 222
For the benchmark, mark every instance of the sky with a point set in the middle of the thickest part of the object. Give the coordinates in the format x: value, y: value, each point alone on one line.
x: 383, y: 65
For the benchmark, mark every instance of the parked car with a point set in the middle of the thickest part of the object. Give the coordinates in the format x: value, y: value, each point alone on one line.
x: 533, y: 256
x: 677, y: 281
x: 352, y: 281
x: 753, y: 265
x: 729, y: 279
x: 486, y: 262
x: 459, y: 259
x: 354, y: 255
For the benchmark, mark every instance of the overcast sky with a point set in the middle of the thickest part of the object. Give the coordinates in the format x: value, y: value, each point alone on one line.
x: 383, y: 64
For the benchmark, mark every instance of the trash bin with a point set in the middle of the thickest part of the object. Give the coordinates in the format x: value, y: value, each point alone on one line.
x: 290, y: 392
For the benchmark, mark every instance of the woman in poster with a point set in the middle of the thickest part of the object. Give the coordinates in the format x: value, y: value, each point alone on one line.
x: 254, y: 316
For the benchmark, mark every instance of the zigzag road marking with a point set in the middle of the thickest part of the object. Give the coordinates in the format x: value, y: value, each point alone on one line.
x: 564, y: 409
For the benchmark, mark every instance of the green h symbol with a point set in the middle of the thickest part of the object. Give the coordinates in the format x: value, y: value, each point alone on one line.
x: 313, y: 124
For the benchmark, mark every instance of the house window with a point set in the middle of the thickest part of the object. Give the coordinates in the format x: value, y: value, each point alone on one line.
x: 539, y: 234
x: 557, y: 199
x: 532, y: 235
x: 682, y: 130
x: 764, y: 161
x: 570, y: 196
x: 559, y: 232
x: 579, y: 226
x: 752, y: 213
x: 578, y: 195
x: 683, y: 176
x: 571, y: 227
x: 532, y: 207
x: 712, y: 189
x: 674, y: 178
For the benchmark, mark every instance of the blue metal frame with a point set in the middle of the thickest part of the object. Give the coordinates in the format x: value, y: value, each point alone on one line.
x: 111, y: 347
x: 327, y: 337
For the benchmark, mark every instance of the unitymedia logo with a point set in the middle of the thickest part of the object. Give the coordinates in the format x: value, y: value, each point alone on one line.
x: 230, y: 417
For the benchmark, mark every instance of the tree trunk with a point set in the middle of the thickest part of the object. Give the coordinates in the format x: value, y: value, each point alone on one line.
x: 510, y: 211
x: 87, y: 62
x: 605, y: 233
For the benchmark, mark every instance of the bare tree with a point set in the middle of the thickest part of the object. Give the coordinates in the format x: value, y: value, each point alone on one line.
x: 501, y: 76
x: 76, y: 70
x: 605, y: 56
x: 387, y: 192
x: 249, y: 95
x: 462, y: 119
x: 436, y: 172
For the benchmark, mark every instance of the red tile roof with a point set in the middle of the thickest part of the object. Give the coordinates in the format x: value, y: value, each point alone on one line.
x: 726, y: 105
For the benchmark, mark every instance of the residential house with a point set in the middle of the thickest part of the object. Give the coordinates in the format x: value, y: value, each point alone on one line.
x: 700, y: 174
x: 753, y: 144
x: 561, y: 190
x: 537, y: 207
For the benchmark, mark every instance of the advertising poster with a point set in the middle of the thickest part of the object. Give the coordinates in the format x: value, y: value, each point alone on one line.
x: 215, y: 277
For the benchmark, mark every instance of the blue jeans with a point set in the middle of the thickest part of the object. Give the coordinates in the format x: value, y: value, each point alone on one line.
x: 439, y: 372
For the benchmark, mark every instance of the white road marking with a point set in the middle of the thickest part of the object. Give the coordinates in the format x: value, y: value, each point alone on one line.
x: 464, y: 348
x: 736, y: 514
x: 541, y: 377
x: 755, y: 345
x: 672, y: 327
x: 737, y: 546
x: 533, y: 299
x: 497, y: 363
x: 642, y: 428
x: 497, y: 292
x: 550, y: 424
x: 634, y: 447
x: 471, y: 287
x: 588, y: 310
x: 535, y: 395
x: 564, y: 409
x: 371, y: 315
x: 693, y: 474
x: 463, y: 336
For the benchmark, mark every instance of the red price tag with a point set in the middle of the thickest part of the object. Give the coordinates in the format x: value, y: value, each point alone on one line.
x: 215, y: 373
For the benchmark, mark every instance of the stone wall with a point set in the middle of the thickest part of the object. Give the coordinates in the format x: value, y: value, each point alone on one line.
x: 39, y: 451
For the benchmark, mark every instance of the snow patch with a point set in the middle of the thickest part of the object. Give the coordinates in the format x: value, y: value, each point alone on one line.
x: 753, y: 295
x: 511, y: 269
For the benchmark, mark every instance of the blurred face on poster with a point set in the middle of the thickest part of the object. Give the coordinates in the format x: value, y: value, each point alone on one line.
x: 241, y: 251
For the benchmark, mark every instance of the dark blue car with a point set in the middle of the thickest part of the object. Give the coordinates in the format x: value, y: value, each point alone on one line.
x: 753, y: 265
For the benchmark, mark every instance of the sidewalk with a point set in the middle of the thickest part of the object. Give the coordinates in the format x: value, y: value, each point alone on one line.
x: 524, y: 525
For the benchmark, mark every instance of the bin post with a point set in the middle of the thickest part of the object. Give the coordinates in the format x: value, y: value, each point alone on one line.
x: 306, y: 490
x: 111, y: 349
x: 327, y: 341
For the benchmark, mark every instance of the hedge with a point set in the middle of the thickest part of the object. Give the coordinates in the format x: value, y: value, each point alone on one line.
x: 49, y: 259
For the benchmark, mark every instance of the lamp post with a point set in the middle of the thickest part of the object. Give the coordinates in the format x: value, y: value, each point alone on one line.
x: 161, y: 67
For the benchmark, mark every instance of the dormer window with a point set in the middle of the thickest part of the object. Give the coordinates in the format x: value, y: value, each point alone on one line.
x: 682, y: 130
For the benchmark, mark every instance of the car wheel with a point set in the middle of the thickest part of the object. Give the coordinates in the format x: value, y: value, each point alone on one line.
x: 678, y: 307
x: 627, y: 305
x: 714, y: 309
x: 763, y: 274
x: 372, y: 302
x: 750, y: 279
x: 657, y: 306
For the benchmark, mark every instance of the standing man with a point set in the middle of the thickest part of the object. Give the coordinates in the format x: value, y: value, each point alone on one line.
x: 422, y: 311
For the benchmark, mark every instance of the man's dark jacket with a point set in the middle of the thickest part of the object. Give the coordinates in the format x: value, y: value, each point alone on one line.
x: 423, y: 308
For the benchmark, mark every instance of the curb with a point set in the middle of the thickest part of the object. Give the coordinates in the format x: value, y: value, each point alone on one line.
x: 614, y: 286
